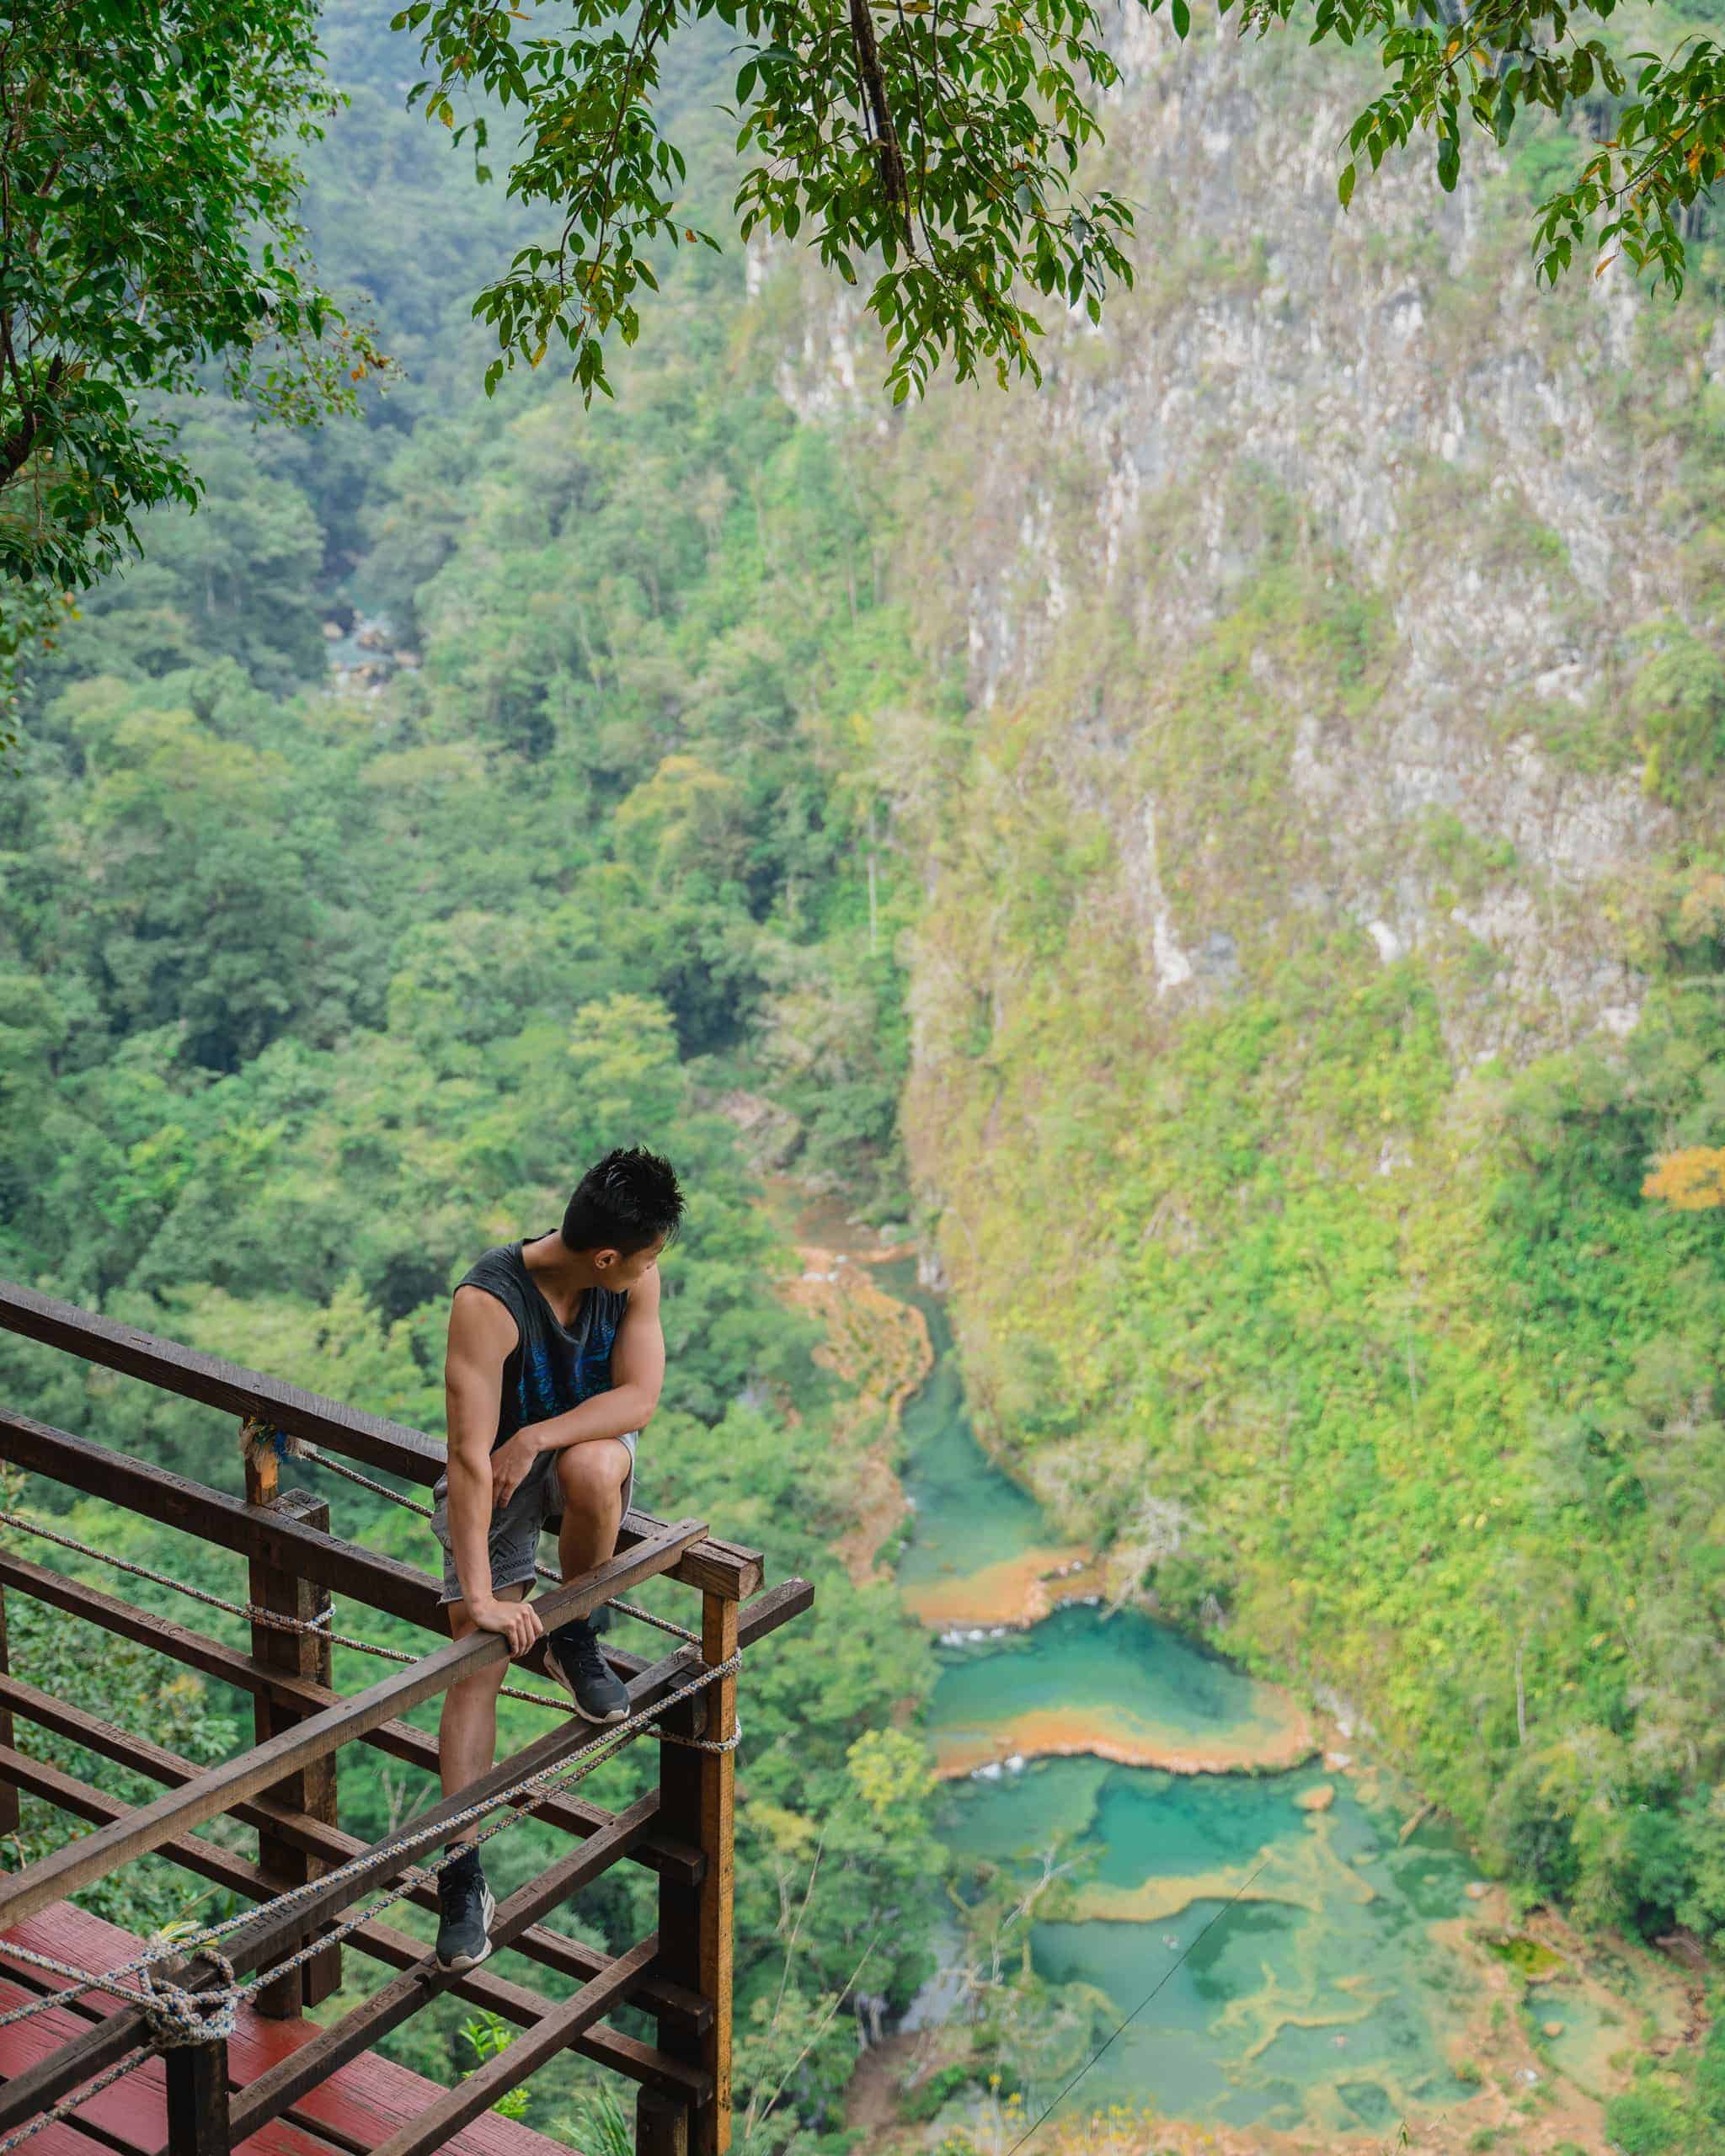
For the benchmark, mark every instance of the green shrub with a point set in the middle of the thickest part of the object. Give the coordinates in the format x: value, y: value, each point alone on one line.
x: 1678, y: 703
x: 929, y: 2098
x: 1645, y: 2121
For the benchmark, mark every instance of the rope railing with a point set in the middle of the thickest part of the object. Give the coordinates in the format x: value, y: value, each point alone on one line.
x: 313, y: 1885
x: 177, y: 2016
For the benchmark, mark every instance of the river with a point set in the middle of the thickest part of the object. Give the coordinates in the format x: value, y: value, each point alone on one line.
x: 1310, y: 1952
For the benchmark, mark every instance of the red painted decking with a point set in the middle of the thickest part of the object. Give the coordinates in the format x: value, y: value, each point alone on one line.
x: 358, y: 2107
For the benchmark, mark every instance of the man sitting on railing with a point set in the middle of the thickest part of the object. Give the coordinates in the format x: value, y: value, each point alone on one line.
x: 554, y: 1364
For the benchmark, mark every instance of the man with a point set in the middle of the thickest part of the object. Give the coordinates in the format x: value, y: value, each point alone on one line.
x: 554, y: 1364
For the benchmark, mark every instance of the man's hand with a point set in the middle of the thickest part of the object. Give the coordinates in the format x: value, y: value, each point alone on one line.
x: 517, y: 1621
x: 508, y: 1463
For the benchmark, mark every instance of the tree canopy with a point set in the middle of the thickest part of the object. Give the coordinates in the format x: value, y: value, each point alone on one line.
x: 1655, y: 124
x: 148, y: 230
x: 148, y: 184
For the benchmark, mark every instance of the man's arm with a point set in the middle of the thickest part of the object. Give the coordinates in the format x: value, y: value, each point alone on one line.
x: 638, y: 1369
x: 482, y: 1337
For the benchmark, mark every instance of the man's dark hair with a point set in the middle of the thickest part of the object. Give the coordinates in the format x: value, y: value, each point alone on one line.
x: 624, y: 1201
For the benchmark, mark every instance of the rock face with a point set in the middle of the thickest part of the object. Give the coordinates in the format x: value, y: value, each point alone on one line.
x: 1382, y: 398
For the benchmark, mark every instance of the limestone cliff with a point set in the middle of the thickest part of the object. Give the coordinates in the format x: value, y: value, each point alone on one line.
x: 1334, y: 635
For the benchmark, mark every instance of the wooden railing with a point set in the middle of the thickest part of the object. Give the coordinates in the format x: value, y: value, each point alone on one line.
x: 285, y: 1786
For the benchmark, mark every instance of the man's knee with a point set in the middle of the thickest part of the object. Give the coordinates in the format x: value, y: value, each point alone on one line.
x: 592, y: 1474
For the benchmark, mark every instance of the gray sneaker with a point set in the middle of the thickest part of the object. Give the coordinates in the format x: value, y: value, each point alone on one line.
x: 465, y: 1909
x: 576, y: 1660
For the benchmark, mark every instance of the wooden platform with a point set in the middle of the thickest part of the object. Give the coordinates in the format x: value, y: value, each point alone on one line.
x: 352, y: 2112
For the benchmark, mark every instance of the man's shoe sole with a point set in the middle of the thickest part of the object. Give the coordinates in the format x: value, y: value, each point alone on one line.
x: 463, y: 1963
x: 598, y: 1721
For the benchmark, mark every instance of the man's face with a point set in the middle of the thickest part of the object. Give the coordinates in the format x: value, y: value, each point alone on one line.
x: 621, y: 1272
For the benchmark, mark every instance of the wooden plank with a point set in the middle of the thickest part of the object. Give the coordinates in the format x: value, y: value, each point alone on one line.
x: 400, y: 1740
x: 18, y: 2101
x: 698, y: 1796
x: 64, y: 2138
x: 304, y: 1654
x: 528, y: 2053
x: 368, y: 2025
x: 52, y: 1877
x: 349, y: 1431
x: 297, y: 1831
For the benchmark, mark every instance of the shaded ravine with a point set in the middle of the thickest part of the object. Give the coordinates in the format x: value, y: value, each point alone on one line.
x: 1305, y: 1942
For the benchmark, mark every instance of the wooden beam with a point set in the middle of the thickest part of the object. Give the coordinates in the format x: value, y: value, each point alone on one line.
x: 51, y: 1878
x: 368, y: 2025
x: 397, y: 1950
x: 254, y: 1530
x: 459, y: 2106
x: 172, y: 1368
x: 715, y: 1567
x: 197, y: 2100
x: 306, y: 1654
x: 661, y: 2125
x: 349, y: 1431
x: 697, y: 1797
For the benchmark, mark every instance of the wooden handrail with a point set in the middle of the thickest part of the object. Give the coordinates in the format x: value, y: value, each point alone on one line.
x: 173, y: 1368
x: 719, y: 1567
x: 254, y: 1530
x: 50, y: 1878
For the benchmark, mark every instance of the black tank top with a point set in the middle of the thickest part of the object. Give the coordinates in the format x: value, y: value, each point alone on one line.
x: 551, y: 1367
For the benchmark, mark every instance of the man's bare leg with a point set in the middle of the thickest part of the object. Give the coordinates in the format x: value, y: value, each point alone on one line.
x: 466, y: 1735
x: 592, y: 1477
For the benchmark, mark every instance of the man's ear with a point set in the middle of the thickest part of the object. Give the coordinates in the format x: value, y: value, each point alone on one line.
x: 606, y: 1261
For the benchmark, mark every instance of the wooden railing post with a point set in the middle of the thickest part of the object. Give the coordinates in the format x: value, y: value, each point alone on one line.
x: 661, y: 2125
x: 299, y: 1654
x: 8, y: 1790
x: 697, y: 1804
x: 197, y: 2100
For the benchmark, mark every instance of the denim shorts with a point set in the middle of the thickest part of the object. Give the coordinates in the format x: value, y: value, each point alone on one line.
x: 534, y: 1505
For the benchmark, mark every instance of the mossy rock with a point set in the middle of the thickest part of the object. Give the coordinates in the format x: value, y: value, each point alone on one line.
x: 1534, y: 1962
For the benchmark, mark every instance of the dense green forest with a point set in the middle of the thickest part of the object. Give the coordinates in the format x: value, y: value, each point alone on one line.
x: 309, y: 991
